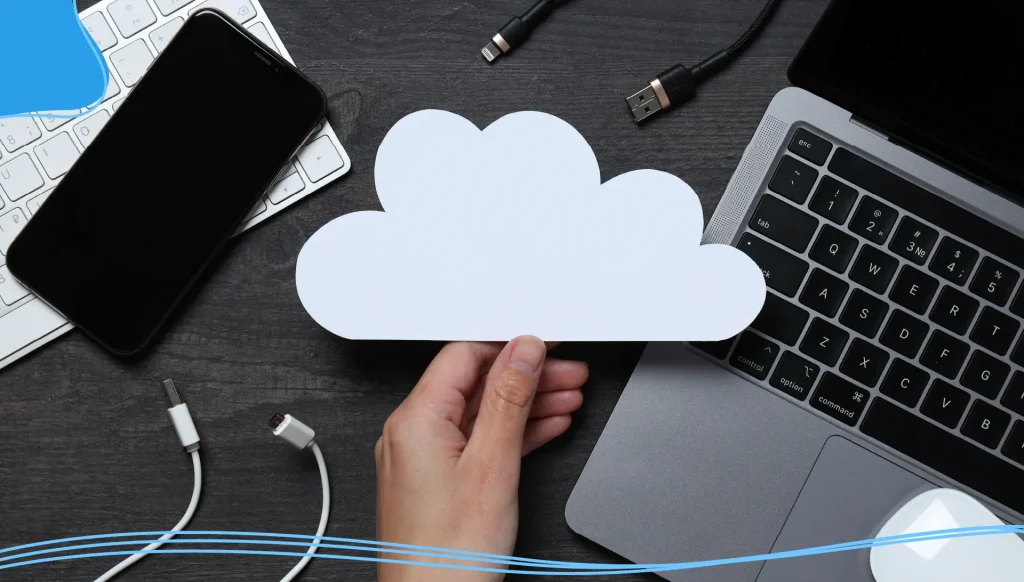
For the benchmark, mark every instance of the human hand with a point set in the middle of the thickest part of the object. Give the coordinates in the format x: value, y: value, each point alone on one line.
x: 449, y: 459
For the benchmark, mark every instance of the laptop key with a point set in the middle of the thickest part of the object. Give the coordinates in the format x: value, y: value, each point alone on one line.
x: 824, y: 293
x: 19, y: 177
x: 953, y: 260
x: 864, y: 313
x: 913, y: 289
x: 873, y: 220
x: 795, y: 375
x: 57, y: 154
x: 904, y: 333
x: 904, y: 383
x: 810, y: 147
x: 168, y: 6
x: 131, y: 16
x: 994, y: 281
x: 1014, y: 445
x: 985, y: 424
x: 954, y: 310
x: 241, y: 10
x: 945, y: 403
x: 833, y: 200
x: 793, y: 179
x: 995, y: 330
x: 11, y: 224
x: 1013, y: 398
x: 784, y: 224
x: 1017, y: 355
x: 840, y: 398
x: 782, y: 271
x: 754, y: 355
x: 914, y: 240
x: 780, y: 319
x: 100, y: 31
x: 833, y: 248
x: 873, y: 269
x: 10, y: 290
x: 87, y: 129
x: 944, y: 354
x: 864, y: 362
x: 18, y: 131
x: 824, y: 341
x: 132, y: 61
x: 162, y: 36
x: 985, y: 375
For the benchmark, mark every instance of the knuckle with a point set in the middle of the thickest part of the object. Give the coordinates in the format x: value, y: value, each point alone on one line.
x: 513, y: 388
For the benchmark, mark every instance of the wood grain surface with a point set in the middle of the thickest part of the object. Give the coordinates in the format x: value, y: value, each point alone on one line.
x: 85, y: 443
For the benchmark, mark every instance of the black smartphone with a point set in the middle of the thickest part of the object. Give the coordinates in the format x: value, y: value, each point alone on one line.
x: 166, y: 182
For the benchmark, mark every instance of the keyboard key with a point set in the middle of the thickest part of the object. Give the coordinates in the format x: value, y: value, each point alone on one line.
x: 1017, y: 355
x: 824, y: 341
x: 810, y: 147
x: 833, y: 248
x: 782, y: 271
x: 780, y: 319
x: 10, y: 225
x: 259, y: 30
x: 824, y: 293
x: 864, y: 362
x: 793, y: 179
x: 945, y: 453
x: 985, y: 424
x: 954, y: 310
x: 257, y: 210
x: 87, y: 129
x: 783, y: 223
x: 873, y: 220
x: 167, y: 7
x: 97, y: 26
x: 113, y: 89
x: 18, y: 131
x: 904, y: 383
x: 1013, y: 398
x: 995, y: 330
x: 795, y: 376
x: 873, y: 269
x: 945, y: 403
x: 19, y: 177
x: 863, y: 313
x: 914, y: 240
x: 286, y: 188
x: 163, y: 34
x: 131, y: 16
x: 1014, y: 445
x: 954, y: 260
x: 320, y: 158
x: 904, y: 333
x: 50, y: 122
x: 57, y: 154
x: 833, y: 200
x: 241, y: 11
x: 985, y: 374
x: 718, y: 350
x: 994, y: 281
x: 132, y: 61
x: 913, y: 289
x: 944, y: 354
x: 34, y: 204
x: 10, y: 290
x: 754, y: 355
x: 840, y: 399
x: 118, y: 103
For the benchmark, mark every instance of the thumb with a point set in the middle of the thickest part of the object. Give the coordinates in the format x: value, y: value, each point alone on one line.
x: 508, y: 396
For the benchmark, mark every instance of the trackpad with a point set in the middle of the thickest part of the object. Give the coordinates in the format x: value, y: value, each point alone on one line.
x: 849, y: 496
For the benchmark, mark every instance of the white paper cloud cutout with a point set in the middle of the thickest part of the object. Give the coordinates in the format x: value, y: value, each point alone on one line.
x: 492, y: 234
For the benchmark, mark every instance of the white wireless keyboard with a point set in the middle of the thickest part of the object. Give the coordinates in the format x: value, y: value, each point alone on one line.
x: 36, y: 152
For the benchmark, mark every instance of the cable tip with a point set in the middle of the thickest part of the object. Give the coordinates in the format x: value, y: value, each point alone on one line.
x: 491, y: 52
x: 276, y: 421
x: 172, y: 392
x: 644, y: 103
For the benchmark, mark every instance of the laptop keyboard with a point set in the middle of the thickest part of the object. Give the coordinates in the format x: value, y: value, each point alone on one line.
x: 890, y: 310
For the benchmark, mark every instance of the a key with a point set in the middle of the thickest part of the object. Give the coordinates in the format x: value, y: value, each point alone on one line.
x: 33, y: 204
x: 824, y: 341
x: 241, y: 11
x: 754, y: 355
x: 163, y: 34
x: 914, y: 240
x: 873, y: 269
x: 10, y: 225
x: 904, y: 383
x: 945, y: 403
x: 954, y: 310
x: 810, y: 147
x: 18, y: 131
x: 782, y: 271
x: 1013, y: 397
x: 985, y: 375
x: 833, y: 200
x: 167, y: 7
x: 132, y: 61
x: 795, y: 375
x: 57, y: 154
x: 718, y: 350
x: 864, y: 362
x: 1014, y: 445
x: 286, y: 188
x: 100, y: 31
x: 10, y: 290
x: 873, y: 220
x: 320, y: 158
x: 259, y: 30
x: 913, y: 289
x: 863, y: 313
x: 833, y: 248
x: 793, y: 179
x: 824, y: 293
x: 113, y: 89
x: 19, y: 177
x: 87, y: 129
x: 257, y: 210
x: 994, y: 281
x: 904, y: 333
x: 985, y: 424
x: 780, y: 319
x: 50, y: 120
x: 953, y: 260
x: 840, y: 398
x: 995, y: 330
x: 131, y: 16
x: 944, y: 354
x: 783, y: 223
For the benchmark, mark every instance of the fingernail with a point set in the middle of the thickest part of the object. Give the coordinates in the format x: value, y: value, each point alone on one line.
x: 528, y: 355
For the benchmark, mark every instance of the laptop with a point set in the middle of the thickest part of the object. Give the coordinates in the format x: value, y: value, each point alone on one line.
x: 882, y: 198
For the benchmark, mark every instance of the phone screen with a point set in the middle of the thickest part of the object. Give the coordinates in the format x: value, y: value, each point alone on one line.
x: 166, y: 182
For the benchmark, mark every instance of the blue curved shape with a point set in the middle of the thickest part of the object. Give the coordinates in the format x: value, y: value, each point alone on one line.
x: 57, y: 66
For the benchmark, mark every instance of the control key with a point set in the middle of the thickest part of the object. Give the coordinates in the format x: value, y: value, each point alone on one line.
x: 754, y: 355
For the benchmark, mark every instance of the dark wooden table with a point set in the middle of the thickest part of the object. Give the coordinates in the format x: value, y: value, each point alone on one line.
x: 85, y: 443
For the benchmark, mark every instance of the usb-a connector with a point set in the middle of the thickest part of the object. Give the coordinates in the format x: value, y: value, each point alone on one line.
x: 644, y: 103
x: 181, y: 418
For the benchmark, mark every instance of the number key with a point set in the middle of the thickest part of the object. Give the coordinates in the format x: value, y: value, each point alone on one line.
x: 954, y: 260
x: 833, y: 200
x: 873, y: 220
x: 793, y: 179
x: 994, y: 281
x: 914, y: 240
x: 18, y: 131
